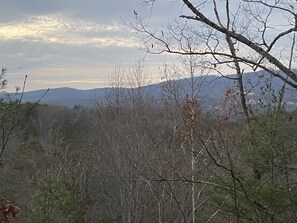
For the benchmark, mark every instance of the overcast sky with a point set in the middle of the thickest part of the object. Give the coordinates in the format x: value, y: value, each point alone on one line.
x: 72, y: 43
x: 79, y: 43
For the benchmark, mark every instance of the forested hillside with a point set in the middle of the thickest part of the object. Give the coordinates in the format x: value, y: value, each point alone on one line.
x: 135, y: 159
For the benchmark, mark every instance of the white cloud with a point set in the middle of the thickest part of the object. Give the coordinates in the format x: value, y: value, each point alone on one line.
x: 59, y: 29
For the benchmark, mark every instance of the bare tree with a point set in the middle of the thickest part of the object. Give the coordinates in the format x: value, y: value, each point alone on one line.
x: 227, y: 35
x: 235, y: 36
x: 248, y: 23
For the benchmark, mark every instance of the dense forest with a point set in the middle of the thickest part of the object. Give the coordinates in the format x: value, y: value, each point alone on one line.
x: 133, y: 158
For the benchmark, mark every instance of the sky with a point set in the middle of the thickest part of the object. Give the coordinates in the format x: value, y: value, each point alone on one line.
x: 73, y: 43
x: 80, y: 43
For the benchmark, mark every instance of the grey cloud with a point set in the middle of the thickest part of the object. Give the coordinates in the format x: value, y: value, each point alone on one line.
x: 97, y: 10
x: 103, y: 9
x: 45, y: 60
x: 16, y: 54
x: 22, y: 58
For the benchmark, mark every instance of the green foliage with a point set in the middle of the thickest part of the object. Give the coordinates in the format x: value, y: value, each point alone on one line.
x: 108, y: 220
x: 55, y: 201
x: 30, y: 156
x: 259, y: 182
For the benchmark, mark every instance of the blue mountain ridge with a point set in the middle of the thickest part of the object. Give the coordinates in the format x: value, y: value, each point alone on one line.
x: 211, y: 87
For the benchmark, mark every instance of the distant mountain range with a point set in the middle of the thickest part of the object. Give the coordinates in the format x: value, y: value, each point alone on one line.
x: 210, y: 88
x: 66, y: 96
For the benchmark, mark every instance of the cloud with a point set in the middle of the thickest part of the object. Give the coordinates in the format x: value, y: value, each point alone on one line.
x: 82, y: 82
x: 75, y: 76
x: 58, y: 29
x: 71, y: 42
x: 103, y: 10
